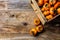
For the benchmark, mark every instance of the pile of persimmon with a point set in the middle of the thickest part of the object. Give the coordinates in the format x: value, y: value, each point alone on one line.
x: 39, y: 27
x: 50, y: 8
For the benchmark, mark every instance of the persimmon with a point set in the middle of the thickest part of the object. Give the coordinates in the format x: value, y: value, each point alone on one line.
x: 46, y: 6
x: 36, y: 21
x: 46, y: 13
x: 39, y: 28
x: 46, y: 1
x: 58, y: 10
x: 49, y: 17
x: 56, y: 5
x: 52, y: 10
x: 42, y: 9
x: 33, y: 32
x: 52, y: 2
x: 40, y: 2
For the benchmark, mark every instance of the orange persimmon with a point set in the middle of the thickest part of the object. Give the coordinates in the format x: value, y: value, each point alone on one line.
x: 56, y: 5
x: 46, y: 13
x: 46, y: 6
x: 33, y: 32
x: 36, y: 21
x: 52, y: 2
x: 58, y: 10
x: 49, y: 17
x: 39, y: 28
x: 46, y: 1
x: 42, y: 9
x: 40, y: 2
x: 52, y: 10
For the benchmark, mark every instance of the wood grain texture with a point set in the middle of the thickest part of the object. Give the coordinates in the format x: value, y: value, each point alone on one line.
x: 15, y: 22
x: 13, y: 18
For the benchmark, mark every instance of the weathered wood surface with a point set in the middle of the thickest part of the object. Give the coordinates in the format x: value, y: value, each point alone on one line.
x: 15, y: 14
x: 16, y: 19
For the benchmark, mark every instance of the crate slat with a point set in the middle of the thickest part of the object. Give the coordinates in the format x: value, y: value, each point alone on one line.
x: 38, y: 12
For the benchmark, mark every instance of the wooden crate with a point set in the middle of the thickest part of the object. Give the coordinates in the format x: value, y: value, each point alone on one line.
x: 41, y: 16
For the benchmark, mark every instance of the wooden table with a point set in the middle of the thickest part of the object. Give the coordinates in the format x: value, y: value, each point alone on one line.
x: 16, y: 19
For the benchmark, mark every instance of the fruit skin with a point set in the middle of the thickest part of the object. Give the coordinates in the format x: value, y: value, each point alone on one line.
x: 46, y: 1
x: 49, y: 17
x: 36, y: 21
x: 33, y: 32
x: 46, y: 6
x: 46, y: 13
x: 56, y: 5
x: 52, y: 10
x: 42, y: 9
x: 52, y: 2
x: 40, y: 2
x: 39, y: 28
x: 58, y: 10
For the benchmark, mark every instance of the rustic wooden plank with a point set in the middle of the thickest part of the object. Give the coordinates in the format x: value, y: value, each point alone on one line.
x: 13, y: 21
x: 38, y: 12
x: 20, y: 4
x: 8, y: 20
